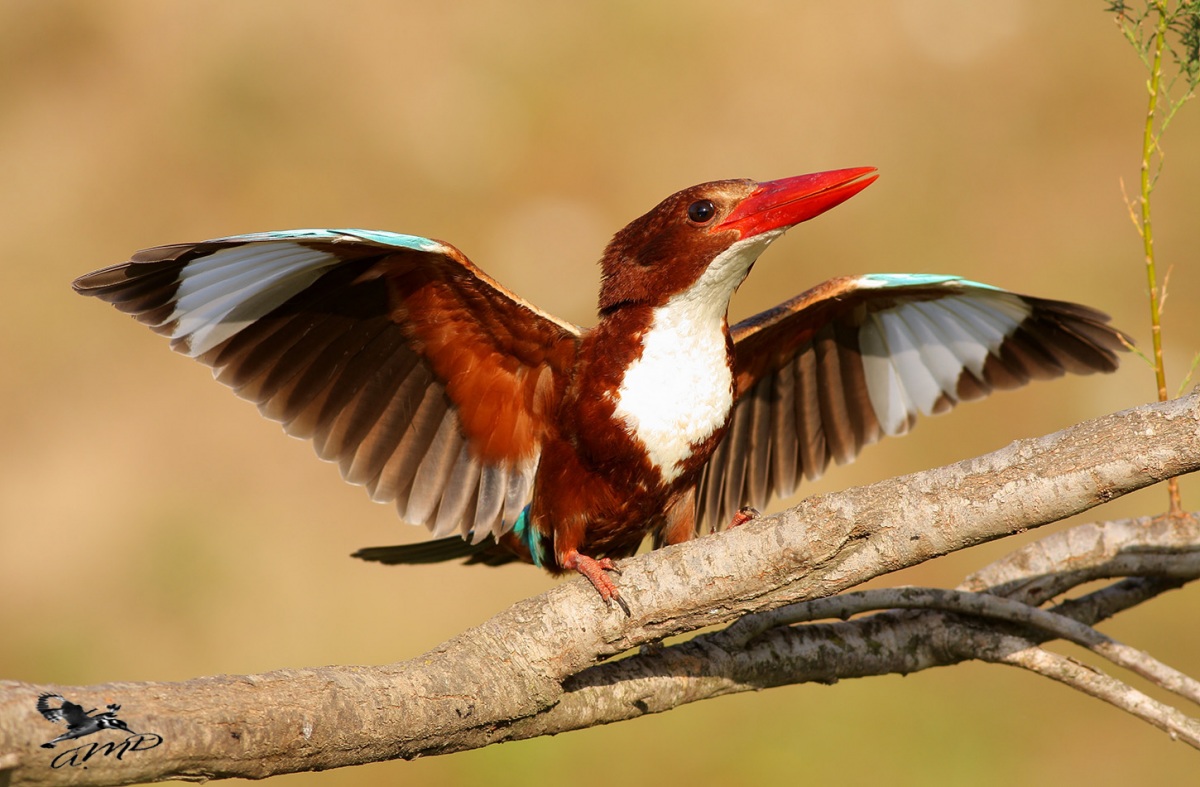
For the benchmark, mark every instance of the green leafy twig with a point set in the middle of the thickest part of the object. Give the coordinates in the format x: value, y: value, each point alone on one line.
x: 1160, y: 27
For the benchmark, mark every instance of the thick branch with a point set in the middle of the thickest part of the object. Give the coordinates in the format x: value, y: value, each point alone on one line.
x: 497, y: 681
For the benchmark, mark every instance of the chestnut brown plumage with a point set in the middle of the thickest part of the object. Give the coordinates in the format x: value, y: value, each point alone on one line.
x: 512, y: 434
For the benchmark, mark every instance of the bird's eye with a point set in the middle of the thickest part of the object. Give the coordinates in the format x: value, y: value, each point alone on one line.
x: 702, y: 211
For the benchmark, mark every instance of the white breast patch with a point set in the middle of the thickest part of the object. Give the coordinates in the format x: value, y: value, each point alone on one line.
x: 680, y: 391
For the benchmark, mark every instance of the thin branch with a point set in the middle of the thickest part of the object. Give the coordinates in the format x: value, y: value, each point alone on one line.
x: 1103, y: 687
x: 977, y: 604
x: 1159, y: 17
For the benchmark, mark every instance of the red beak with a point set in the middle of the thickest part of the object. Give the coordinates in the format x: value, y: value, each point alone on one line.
x: 779, y: 204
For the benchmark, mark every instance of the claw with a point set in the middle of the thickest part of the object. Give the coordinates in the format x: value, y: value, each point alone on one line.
x: 744, y: 515
x: 594, y: 570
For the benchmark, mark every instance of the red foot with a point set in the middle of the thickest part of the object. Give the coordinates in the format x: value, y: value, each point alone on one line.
x: 594, y: 570
x: 744, y: 515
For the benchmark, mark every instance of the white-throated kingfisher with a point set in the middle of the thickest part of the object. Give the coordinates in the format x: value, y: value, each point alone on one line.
x: 512, y: 434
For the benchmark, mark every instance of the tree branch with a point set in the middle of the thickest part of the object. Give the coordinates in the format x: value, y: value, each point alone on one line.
x: 983, y: 605
x: 512, y: 676
x: 886, y: 643
x: 1103, y: 687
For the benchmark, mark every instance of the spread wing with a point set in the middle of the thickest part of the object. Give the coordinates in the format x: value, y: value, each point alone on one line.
x: 53, y: 714
x: 424, y: 379
x: 66, y: 713
x: 857, y: 358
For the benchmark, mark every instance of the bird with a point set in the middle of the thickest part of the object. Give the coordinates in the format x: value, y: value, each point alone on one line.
x: 514, y: 435
x: 79, y: 722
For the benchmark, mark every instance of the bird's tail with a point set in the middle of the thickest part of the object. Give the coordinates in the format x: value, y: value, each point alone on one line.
x: 487, y: 552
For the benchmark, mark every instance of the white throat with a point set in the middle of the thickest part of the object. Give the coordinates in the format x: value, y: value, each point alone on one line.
x: 680, y: 390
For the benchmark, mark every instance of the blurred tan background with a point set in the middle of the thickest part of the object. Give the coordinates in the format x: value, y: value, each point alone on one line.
x: 152, y: 526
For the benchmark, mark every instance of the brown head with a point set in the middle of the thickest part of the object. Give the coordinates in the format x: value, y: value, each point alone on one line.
x: 726, y: 222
